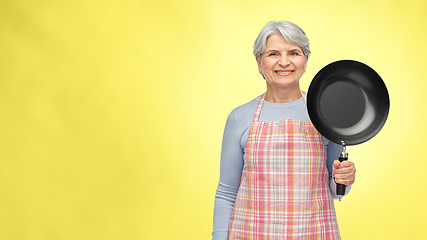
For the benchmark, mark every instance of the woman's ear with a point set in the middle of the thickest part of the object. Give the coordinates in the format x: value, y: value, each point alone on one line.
x: 258, y: 60
x: 306, y: 60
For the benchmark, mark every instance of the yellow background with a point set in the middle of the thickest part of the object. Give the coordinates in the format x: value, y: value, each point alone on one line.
x: 112, y: 112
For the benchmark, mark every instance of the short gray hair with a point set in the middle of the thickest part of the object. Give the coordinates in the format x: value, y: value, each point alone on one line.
x: 291, y: 32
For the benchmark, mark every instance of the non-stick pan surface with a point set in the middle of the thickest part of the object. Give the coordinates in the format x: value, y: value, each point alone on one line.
x: 348, y: 101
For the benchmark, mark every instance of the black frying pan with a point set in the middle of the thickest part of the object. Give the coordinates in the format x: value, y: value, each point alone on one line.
x: 348, y: 103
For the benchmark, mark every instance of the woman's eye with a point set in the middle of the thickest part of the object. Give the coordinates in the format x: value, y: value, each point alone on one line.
x: 294, y: 54
x: 272, y: 54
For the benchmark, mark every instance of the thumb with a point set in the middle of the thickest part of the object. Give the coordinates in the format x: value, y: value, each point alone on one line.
x: 337, y: 164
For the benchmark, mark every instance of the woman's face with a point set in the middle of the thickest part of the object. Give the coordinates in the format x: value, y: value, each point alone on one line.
x: 282, y: 64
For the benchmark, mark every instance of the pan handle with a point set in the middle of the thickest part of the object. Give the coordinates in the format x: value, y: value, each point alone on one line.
x: 343, y: 156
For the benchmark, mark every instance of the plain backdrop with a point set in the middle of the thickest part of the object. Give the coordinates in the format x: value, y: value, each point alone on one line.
x: 112, y: 112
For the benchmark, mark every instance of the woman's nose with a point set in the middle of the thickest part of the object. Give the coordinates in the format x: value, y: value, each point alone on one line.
x: 284, y: 61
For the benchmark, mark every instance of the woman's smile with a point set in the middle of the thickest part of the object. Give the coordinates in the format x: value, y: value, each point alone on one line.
x: 284, y: 72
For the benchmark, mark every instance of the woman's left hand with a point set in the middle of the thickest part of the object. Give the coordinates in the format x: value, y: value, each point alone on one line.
x: 344, y: 172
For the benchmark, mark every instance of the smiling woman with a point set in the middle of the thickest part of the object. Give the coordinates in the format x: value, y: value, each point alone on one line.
x: 276, y: 169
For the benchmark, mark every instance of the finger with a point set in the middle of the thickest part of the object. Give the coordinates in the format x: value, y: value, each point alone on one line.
x: 336, y: 164
x: 344, y: 179
x: 345, y: 173
x: 347, y: 164
x: 345, y: 169
x: 346, y: 182
x: 344, y: 164
x: 344, y: 176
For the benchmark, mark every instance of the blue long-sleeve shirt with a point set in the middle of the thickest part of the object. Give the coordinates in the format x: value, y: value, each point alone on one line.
x: 236, y: 134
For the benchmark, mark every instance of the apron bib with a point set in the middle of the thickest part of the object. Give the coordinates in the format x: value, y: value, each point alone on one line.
x: 284, y: 191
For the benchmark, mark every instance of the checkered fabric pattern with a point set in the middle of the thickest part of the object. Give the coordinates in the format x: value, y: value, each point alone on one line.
x: 284, y: 191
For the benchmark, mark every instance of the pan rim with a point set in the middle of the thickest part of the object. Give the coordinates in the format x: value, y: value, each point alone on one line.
x: 370, y: 84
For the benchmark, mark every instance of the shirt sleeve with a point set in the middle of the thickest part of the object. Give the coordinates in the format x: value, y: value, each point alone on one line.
x: 333, y: 150
x: 231, y: 168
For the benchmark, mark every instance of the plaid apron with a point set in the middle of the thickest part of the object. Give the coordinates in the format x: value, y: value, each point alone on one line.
x: 284, y: 191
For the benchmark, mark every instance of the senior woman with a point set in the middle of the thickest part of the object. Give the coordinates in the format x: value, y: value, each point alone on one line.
x: 278, y: 175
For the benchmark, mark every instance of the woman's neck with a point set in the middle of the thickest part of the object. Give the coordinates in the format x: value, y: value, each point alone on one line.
x: 282, y: 95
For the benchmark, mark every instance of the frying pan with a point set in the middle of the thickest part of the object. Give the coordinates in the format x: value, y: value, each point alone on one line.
x: 348, y: 103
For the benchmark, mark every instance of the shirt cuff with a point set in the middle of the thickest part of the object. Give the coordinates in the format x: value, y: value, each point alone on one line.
x: 333, y: 188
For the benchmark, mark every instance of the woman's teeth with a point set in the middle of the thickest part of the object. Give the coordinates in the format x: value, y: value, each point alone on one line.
x: 284, y: 72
